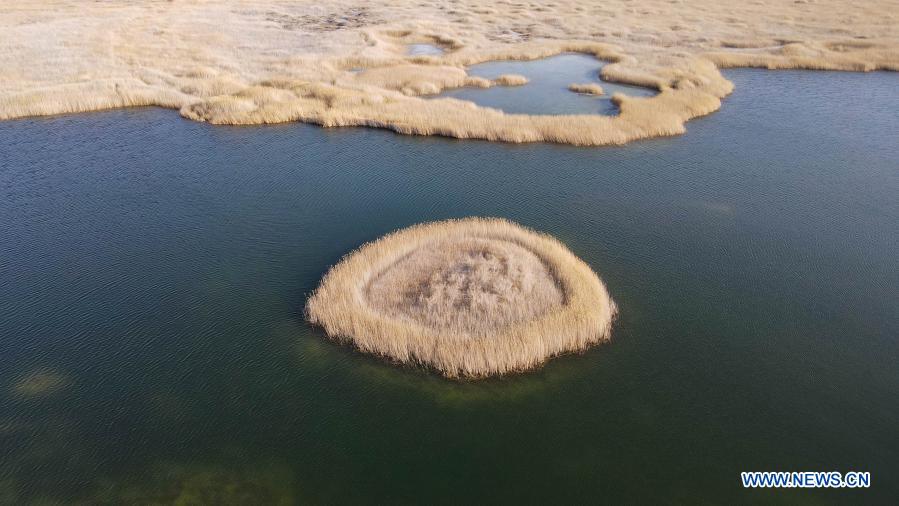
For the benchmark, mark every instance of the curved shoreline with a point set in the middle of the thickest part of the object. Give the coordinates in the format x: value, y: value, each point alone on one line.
x: 467, y: 298
x: 359, y: 75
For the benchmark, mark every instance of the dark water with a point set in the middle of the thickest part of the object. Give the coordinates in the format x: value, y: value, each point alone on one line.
x: 157, y: 269
x: 547, y: 90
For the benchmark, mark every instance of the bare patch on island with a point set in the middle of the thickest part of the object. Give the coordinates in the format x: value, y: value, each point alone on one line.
x: 468, y: 298
x: 469, y: 285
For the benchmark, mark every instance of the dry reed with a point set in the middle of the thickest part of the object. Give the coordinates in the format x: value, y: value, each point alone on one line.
x: 587, y: 89
x: 468, y: 298
x: 511, y: 80
x: 344, y: 63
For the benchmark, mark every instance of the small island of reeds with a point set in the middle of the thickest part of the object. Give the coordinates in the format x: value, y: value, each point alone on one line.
x: 586, y: 88
x: 468, y: 298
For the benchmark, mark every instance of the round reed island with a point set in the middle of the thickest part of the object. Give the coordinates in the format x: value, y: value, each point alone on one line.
x: 469, y: 298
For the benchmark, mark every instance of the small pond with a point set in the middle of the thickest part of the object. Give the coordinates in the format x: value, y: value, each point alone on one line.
x: 547, y: 91
x: 424, y: 50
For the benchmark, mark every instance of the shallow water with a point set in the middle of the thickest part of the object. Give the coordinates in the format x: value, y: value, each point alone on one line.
x: 423, y: 50
x: 547, y: 91
x: 160, y: 266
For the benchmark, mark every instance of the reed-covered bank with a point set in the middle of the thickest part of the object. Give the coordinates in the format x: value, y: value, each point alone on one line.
x: 346, y: 64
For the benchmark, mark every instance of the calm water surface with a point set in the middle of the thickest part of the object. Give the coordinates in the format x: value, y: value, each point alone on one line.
x: 156, y: 269
x: 547, y: 89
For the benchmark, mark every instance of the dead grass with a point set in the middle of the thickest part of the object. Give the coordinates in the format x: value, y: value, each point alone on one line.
x: 471, y: 298
x: 587, y: 88
x: 344, y: 62
x: 847, y: 56
x: 380, y: 98
x: 511, y: 80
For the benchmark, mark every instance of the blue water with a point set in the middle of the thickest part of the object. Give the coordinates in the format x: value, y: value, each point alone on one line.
x: 547, y: 90
x: 159, y: 268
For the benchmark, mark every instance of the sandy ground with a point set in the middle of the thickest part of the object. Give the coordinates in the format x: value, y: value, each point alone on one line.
x: 344, y: 62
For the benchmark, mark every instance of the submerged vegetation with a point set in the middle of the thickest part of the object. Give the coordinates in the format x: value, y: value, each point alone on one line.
x: 472, y: 298
x: 347, y: 63
x: 40, y: 382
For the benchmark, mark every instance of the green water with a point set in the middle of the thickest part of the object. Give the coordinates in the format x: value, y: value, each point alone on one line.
x: 157, y: 269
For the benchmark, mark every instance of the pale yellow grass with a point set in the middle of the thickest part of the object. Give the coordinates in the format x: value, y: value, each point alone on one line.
x: 470, y: 298
x: 586, y: 88
x: 511, y: 80
x: 344, y: 62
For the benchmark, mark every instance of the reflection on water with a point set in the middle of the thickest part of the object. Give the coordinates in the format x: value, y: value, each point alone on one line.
x: 156, y: 269
x: 547, y: 91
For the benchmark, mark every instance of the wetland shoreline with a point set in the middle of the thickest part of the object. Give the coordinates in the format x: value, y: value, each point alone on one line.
x: 347, y: 64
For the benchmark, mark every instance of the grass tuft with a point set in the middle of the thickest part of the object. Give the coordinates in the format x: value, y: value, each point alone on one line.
x: 587, y: 89
x: 510, y: 80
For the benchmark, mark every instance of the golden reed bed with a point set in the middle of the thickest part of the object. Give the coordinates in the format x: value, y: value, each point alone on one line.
x: 344, y: 62
x: 471, y: 298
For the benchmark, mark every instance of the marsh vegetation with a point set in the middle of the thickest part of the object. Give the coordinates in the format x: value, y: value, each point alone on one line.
x: 471, y: 297
x: 300, y: 61
x: 586, y: 88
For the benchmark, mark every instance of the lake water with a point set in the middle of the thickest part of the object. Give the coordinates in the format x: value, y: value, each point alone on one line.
x: 153, y: 272
x: 547, y: 89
